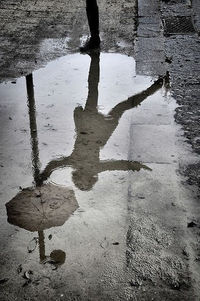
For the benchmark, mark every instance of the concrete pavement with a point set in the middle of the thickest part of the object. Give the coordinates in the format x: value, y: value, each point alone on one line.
x: 135, y: 235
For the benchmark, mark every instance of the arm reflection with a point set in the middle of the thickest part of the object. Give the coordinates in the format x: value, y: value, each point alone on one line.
x: 93, y: 130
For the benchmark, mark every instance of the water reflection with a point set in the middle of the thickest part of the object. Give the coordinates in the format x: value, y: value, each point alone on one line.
x: 93, y: 130
x: 46, y: 205
x: 33, y: 127
x: 42, y: 206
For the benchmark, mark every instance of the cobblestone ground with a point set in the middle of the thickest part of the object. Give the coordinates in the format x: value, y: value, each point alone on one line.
x: 176, y: 52
x: 35, y: 32
x: 183, y: 53
x: 159, y: 50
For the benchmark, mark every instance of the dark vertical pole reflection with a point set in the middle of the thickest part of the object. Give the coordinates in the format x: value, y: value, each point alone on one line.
x: 33, y: 129
x: 41, y: 246
x: 35, y: 149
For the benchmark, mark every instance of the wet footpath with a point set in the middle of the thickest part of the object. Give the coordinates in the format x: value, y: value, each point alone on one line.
x: 99, y: 152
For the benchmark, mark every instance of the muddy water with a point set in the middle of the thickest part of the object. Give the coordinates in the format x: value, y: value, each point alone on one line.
x: 91, y: 125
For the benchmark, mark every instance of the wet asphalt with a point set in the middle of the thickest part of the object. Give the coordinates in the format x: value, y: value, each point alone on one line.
x: 99, y: 153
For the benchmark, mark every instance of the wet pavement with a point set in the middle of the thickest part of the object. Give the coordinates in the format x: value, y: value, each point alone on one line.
x: 95, y: 203
x: 35, y: 32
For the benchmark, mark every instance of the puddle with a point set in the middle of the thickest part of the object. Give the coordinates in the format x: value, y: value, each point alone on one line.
x: 74, y: 115
x: 91, y: 125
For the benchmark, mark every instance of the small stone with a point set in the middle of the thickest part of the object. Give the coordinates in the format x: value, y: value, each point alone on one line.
x: 38, y: 194
x: 185, y: 253
x: 136, y: 283
x: 191, y: 224
x: 19, y: 269
x: 32, y: 245
x: 26, y: 283
x: 4, y: 280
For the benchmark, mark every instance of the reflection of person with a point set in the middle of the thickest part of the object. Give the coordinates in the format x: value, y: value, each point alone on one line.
x: 93, y: 130
x: 93, y: 21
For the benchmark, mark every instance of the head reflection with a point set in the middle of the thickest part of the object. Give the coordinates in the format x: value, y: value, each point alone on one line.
x: 84, y: 180
x: 93, y: 129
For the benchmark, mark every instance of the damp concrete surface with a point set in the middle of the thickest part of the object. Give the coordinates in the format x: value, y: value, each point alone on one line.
x: 92, y: 205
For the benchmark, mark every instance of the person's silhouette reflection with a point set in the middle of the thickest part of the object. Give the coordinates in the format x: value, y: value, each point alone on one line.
x: 93, y: 130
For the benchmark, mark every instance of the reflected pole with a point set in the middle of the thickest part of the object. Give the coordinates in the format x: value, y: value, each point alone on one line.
x: 35, y: 149
x: 33, y: 128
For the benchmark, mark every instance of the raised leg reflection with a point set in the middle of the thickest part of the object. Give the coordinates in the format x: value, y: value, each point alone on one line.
x: 93, y: 130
